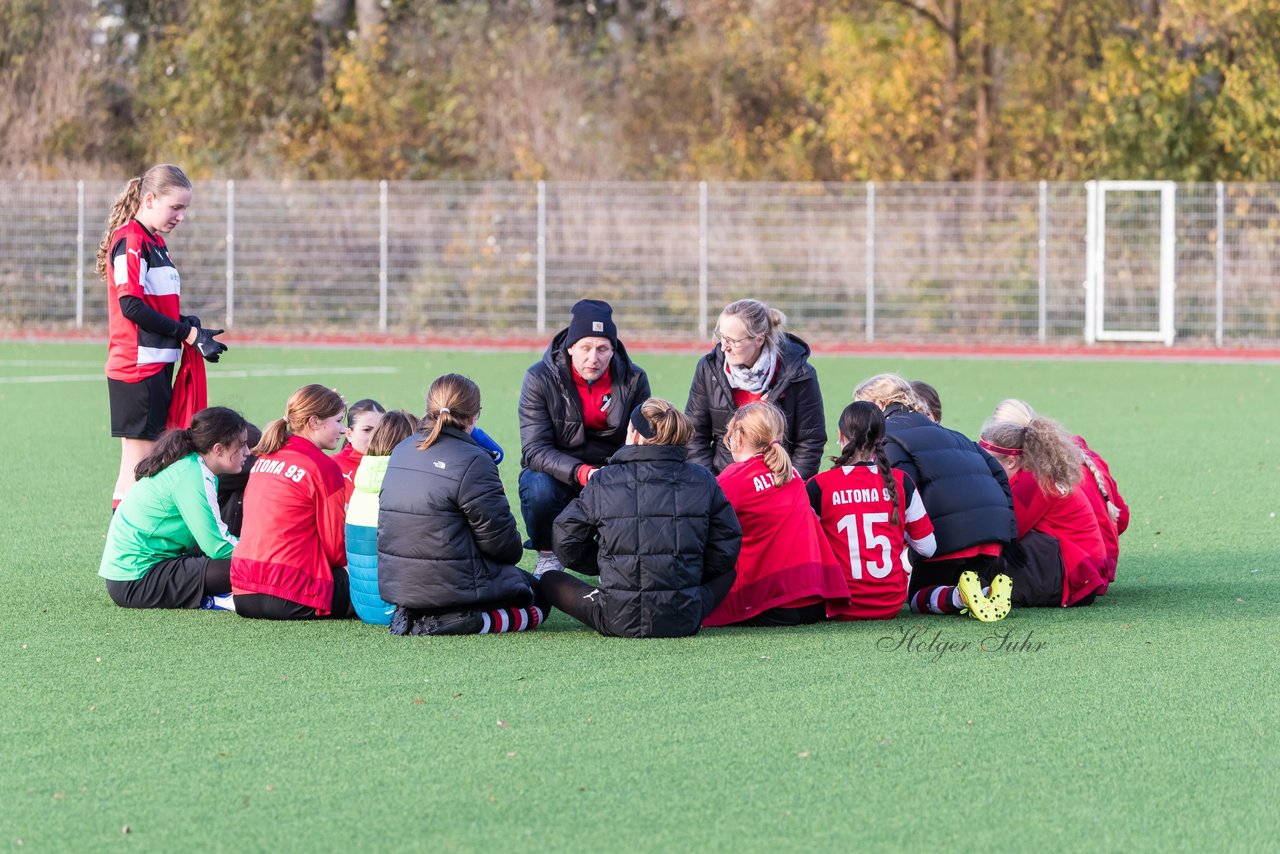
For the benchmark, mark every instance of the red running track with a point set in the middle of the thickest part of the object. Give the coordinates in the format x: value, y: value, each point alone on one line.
x: 1119, y: 352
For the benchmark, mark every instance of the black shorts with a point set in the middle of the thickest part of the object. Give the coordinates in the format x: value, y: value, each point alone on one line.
x: 260, y: 606
x: 178, y: 582
x: 1037, y: 572
x: 139, y: 410
x: 931, y: 573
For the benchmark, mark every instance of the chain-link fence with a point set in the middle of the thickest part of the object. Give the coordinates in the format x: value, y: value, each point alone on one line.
x: 847, y: 262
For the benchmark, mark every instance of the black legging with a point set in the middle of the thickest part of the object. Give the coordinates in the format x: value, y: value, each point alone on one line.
x: 217, y: 577
x: 579, y: 600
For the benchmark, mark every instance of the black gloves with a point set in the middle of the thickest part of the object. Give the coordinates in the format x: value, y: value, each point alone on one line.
x: 190, y: 320
x: 208, y: 347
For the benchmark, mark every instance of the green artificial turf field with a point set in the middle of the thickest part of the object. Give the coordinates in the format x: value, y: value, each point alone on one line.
x: 1148, y: 721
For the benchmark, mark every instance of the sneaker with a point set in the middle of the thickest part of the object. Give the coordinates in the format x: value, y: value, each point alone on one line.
x: 547, y: 561
x: 978, y: 606
x: 451, y: 623
x: 401, y: 621
x: 1001, y: 596
x: 220, y: 602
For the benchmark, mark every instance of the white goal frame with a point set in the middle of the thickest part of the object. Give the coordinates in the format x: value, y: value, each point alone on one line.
x: 1095, y: 328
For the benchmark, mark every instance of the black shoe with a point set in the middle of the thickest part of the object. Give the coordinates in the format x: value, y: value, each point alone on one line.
x: 401, y: 621
x: 451, y: 623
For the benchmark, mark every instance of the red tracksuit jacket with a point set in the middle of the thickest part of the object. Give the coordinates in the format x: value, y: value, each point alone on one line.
x: 293, y: 534
x: 785, y: 561
x: 1069, y: 519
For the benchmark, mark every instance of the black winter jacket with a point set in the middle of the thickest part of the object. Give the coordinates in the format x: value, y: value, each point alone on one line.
x: 795, y: 391
x: 964, y: 489
x: 446, y: 537
x: 552, y: 436
x: 654, y: 528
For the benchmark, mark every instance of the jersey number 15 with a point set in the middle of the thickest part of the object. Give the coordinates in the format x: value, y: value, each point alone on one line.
x: 870, y: 541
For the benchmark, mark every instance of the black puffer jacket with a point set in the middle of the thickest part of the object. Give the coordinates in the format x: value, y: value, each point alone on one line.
x: 795, y: 391
x: 446, y: 536
x: 964, y: 489
x: 552, y: 436
x: 654, y: 528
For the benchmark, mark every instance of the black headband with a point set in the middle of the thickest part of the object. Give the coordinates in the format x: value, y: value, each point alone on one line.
x: 642, y: 425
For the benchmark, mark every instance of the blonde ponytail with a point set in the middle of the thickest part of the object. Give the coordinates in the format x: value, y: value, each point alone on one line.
x: 760, y: 426
x: 310, y: 400
x: 452, y: 401
x: 668, y: 425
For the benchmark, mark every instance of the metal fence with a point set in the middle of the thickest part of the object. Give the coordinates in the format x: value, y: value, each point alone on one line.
x: 849, y: 262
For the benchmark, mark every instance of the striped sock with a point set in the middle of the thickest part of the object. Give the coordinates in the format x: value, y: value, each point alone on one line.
x: 936, y: 600
x: 511, y: 620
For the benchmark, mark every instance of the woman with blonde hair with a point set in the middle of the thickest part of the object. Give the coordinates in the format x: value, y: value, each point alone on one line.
x: 447, y: 541
x: 966, y: 491
x: 787, y: 572
x: 1109, y: 506
x: 1062, y: 547
x: 146, y: 330
x: 291, y: 561
x: 655, y: 528
x: 755, y: 359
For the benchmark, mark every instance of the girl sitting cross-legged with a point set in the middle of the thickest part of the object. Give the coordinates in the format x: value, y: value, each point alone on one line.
x: 1063, y: 552
x: 447, y: 541
x: 787, y: 573
x: 167, y: 546
x: 362, y: 515
x: 869, y: 512
x: 655, y: 528
x: 291, y: 560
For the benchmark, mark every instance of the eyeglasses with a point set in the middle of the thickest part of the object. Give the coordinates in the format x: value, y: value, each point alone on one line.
x: 733, y: 342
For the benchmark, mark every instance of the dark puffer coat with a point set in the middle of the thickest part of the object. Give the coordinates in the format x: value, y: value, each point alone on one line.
x: 552, y: 436
x: 795, y: 391
x: 654, y: 528
x: 964, y: 489
x: 446, y: 537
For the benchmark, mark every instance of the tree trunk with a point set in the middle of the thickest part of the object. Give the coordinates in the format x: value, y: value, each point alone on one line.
x: 982, y: 114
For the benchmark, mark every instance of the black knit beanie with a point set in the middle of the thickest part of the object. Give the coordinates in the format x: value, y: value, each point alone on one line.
x: 591, y: 318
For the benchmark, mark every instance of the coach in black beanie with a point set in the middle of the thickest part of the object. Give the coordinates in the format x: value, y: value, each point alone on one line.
x: 592, y: 318
x: 574, y: 407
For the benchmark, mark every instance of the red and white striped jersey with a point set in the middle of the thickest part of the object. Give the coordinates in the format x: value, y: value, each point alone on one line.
x: 140, y: 267
x: 854, y: 508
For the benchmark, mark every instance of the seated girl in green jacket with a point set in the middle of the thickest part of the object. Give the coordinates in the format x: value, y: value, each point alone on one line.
x: 167, y: 546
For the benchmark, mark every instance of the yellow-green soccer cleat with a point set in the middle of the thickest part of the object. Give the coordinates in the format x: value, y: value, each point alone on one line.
x: 978, y: 606
x: 1001, y: 597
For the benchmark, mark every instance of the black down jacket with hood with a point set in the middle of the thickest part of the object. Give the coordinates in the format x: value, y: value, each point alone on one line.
x: 964, y: 489
x: 552, y: 436
x: 446, y: 538
x: 795, y: 391
x: 654, y: 528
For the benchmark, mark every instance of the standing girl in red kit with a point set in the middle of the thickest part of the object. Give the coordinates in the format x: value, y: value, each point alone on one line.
x: 146, y: 330
x: 870, y: 512
x: 291, y: 560
x: 787, y: 575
